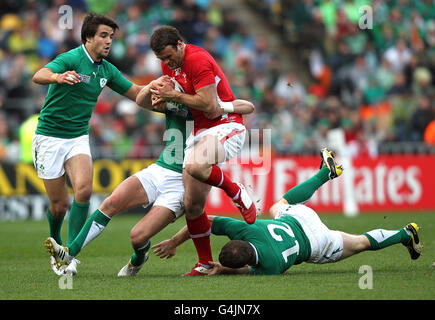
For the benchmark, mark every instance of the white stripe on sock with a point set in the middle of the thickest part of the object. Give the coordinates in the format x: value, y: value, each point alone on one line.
x: 236, y: 196
x: 105, y: 214
x: 205, y: 234
x: 94, y: 231
x: 381, y: 235
x: 222, y: 179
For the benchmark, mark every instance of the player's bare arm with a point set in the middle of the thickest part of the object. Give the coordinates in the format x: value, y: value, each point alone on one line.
x: 167, y: 248
x: 239, y: 106
x: 46, y: 76
x: 133, y: 92
x: 205, y: 99
x: 219, y: 269
x: 146, y: 99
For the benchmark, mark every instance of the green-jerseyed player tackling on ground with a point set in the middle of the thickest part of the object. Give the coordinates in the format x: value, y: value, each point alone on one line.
x: 295, y: 235
x: 60, y: 144
x: 160, y: 184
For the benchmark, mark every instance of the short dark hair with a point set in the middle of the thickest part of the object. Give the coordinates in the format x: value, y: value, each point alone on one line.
x: 91, y: 23
x: 165, y: 36
x: 236, y: 254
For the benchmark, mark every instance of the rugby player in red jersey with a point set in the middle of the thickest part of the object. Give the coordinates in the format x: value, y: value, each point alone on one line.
x: 218, y: 133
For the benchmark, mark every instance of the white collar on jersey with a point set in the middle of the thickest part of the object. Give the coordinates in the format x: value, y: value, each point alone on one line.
x: 256, y: 253
x: 87, y: 53
x: 89, y: 56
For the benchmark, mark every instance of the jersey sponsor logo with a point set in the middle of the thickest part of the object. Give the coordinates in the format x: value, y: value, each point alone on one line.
x: 84, y: 78
x: 103, y: 82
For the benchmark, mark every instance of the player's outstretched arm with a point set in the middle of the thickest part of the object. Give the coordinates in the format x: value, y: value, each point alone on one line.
x: 133, y: 92
x: 167, y: 248
x: 238, y: 106
x: 219, y: 269
x: 205, y: 99
x: 145, y: 98
x: 46, y: 76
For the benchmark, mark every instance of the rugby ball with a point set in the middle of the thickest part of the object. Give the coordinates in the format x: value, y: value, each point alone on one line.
x: 172, y: 105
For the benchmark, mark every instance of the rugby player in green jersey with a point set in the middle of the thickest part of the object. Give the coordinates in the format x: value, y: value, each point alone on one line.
x: 160, y: 184
x: 295, y: 235
x: 60, y: 144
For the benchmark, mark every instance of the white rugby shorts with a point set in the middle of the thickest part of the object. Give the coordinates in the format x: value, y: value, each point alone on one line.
x: 51, y: 153
x: 326, y: 245
x: 164, y: 188
x: 231, y: 135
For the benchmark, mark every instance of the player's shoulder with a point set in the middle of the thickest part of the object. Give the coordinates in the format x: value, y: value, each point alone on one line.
x: 109, y: 66
x: 71, y: 55
x: 195, y: 54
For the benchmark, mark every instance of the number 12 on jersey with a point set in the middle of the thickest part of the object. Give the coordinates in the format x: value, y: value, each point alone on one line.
x: 286, y: 228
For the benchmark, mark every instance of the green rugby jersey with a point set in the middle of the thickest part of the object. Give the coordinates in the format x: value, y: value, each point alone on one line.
x: 172, y: 155
x: 68, y: 108
x: 279, y: 243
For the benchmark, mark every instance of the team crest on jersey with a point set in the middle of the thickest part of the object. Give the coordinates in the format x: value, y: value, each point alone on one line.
x: 103, y: 82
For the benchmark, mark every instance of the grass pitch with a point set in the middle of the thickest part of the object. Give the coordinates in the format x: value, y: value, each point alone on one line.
x: 25, y: 273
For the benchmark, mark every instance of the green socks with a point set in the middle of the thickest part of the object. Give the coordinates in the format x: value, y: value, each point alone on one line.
x: 304, y: 191
x: 381, y: 238
x: 55, y: 226
x: 76, y: 219
x: 92, y: 228
x: 138, y: 256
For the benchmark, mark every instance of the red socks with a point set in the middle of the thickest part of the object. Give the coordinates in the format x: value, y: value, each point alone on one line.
x: 199, y: 230
x: 221, y: 180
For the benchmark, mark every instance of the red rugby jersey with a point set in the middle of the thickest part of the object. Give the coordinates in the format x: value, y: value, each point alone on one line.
x: 199, y: 69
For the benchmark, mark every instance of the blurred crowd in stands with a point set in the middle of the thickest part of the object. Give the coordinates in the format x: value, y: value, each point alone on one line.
x: 377, y: 84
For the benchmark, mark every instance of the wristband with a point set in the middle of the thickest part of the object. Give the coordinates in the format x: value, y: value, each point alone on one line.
x: 227, y: 106
x: 53, y: 77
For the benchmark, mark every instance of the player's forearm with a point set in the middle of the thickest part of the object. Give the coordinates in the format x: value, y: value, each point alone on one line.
x: 45, y: 76
x: 180, y: 237
x: 243, y: 270
x: 133, y: 92
x: 143, y: 98
x: 198, y: 101
x: 241, y: 106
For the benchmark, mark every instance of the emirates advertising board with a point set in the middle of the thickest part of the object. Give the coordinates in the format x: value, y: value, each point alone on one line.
x: 393, y: 183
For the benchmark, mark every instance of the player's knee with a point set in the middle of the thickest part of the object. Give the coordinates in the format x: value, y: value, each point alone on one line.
x: 58, y: 208
x: 193, y: 169
x: 363, y: 243
x: 360, y: 243
x: 193, y: 210
x: 138, y: 237
x: 111, y: 204
x: 83, y: 193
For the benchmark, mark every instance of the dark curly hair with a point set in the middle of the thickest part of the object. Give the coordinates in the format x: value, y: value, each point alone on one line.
x: 165, y: 36
x: 237, y: 254
x: 91, y: 23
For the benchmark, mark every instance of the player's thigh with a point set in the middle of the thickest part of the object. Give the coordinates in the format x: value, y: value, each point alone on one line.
x: 209, y: 150
x: 80, y: 171
x: 128, y: 194
x: 151, y: 224
x: 195, y: 195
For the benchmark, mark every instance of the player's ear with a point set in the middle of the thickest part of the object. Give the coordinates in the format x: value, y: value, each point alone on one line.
x: 180, y: 45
